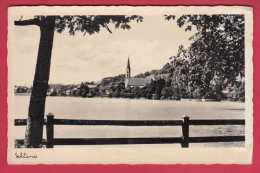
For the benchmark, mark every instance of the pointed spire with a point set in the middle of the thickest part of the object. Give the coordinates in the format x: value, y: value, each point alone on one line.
x: 128, y: 63
x: 128, y: 69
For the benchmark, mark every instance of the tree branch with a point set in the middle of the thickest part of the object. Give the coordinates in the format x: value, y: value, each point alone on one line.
x: 27, y: 22
x: 108, y: 28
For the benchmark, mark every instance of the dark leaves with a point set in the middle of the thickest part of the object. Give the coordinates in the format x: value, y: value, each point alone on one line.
x: 216, y: 51
x: 188, y: 28
x: 169, y: 17
x: 91, y: 24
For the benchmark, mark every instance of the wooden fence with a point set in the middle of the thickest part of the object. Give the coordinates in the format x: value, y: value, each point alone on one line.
x: 184, y: 140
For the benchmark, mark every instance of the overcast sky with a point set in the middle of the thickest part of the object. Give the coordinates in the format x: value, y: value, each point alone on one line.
x: 90, y: 58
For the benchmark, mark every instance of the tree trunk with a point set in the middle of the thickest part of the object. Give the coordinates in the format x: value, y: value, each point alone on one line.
x: 35, y: 121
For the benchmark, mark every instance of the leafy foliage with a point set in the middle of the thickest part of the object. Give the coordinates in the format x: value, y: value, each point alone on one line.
x: 216, y: 52
x: 169, y: 17
x: 91, y: 23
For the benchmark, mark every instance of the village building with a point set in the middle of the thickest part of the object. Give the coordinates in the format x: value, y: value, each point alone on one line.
x: 133, y: 81
x: 91, y: 86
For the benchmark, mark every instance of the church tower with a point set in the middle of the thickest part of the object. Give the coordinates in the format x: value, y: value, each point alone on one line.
x: 128, y: 73
x: 128, y: 69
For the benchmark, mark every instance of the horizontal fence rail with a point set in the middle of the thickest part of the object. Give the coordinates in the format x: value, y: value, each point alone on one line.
x: 216, y: 139
x: 114, y: 141
x: 184, y: 140
x: 217, y: 122
x: 22, y: 122
x: 118, y: 122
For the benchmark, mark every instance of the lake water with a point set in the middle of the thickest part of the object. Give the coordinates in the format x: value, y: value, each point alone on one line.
x: 136, y: 109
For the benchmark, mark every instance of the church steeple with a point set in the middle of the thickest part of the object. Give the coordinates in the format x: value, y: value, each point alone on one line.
x: 128, y: 69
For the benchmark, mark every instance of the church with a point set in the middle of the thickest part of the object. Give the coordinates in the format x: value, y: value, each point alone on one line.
x: 132, y: 81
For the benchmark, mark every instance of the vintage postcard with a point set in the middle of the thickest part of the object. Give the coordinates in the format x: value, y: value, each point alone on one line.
x: 130, y: 84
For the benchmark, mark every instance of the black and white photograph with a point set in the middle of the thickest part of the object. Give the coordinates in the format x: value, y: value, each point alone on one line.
x: 126, y: 84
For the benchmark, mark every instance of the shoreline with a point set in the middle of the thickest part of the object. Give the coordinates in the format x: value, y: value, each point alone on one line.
x: 141, y: 98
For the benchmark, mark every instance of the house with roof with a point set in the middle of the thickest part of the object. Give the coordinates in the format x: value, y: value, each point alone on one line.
x: 133, y: 81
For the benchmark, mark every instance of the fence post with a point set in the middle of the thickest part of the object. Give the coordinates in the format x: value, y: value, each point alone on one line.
x: 50, y: 130
x: 185, y: 132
